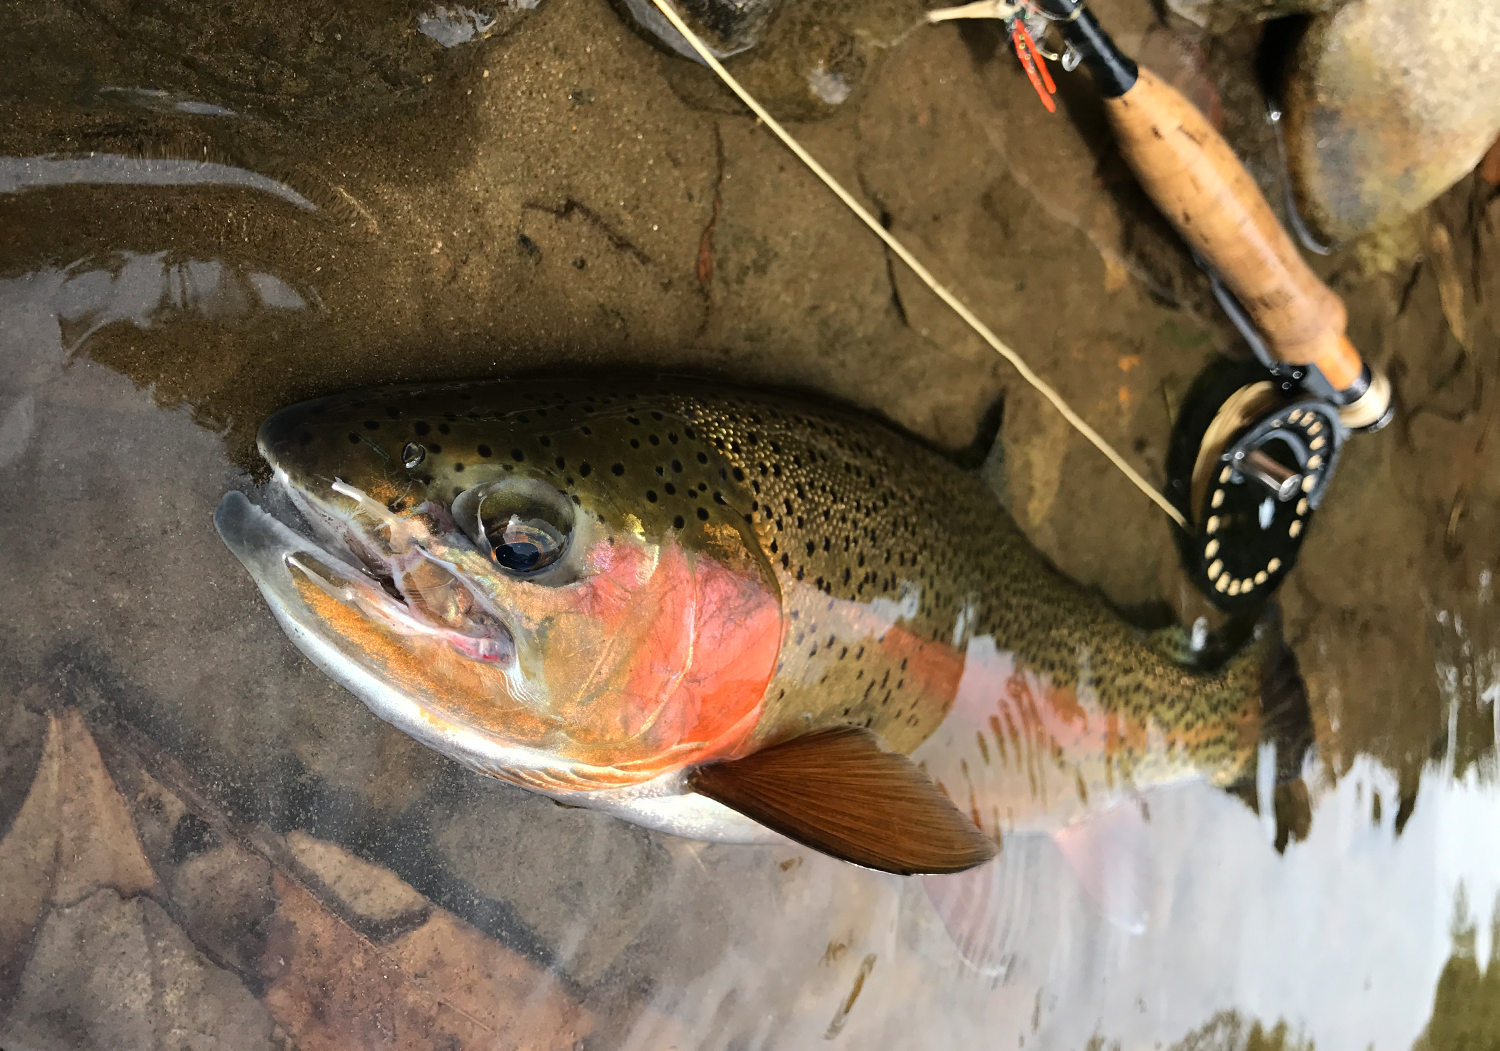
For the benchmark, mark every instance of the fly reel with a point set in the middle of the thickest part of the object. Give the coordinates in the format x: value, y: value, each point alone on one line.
x: 1249, y: 463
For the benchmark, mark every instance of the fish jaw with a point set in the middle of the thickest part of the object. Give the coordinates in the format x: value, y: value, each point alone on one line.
x: 277, y: 559
x: 651, y: 661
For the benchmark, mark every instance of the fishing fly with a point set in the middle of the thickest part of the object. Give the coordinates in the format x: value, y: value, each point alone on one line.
x: 1024, y: 24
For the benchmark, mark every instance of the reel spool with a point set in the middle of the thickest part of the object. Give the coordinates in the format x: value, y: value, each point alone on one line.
x: 1249, y: 463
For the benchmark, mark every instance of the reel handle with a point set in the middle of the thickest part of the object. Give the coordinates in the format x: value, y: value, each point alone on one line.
x: 1196, y: 180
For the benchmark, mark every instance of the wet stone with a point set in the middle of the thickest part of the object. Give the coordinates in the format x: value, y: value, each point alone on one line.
x: 1387, y: 105
x: 371, y: 898
x: 1219, y: 15
x: 810, y: 61
x: 728, y: 27
x: 116, y: 973
x: 499, y: 861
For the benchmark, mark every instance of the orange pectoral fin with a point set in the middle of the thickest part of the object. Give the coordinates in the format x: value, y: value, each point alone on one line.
x: 839, y: 792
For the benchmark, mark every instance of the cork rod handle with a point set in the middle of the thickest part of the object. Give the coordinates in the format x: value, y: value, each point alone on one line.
x: 1201, y: 186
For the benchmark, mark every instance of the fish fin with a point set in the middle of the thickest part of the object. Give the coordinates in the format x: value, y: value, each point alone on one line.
x: 987, y: 910
x: 1265, y: 672
x: 1285, y: 717
x: 1109, y: 855
x: 840, y: 792
x: 1253, y: 655
x: 985, y: 453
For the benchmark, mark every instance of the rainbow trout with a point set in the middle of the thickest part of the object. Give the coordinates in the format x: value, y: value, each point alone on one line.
x: 725, y: 615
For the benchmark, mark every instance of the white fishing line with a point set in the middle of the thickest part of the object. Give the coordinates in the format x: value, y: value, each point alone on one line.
x: 921, y: 271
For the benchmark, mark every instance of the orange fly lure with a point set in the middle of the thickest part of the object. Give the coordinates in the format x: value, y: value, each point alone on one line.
x: 1032, y: 61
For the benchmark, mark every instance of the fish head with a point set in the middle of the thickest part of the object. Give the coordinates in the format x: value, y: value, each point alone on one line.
x: 496, y: 570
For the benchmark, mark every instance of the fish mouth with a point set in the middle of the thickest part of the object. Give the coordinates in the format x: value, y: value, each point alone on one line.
x: 289, y: 567
x: 389, y: 569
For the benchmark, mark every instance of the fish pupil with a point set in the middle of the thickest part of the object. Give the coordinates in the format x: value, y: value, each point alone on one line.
x: 519, y: 556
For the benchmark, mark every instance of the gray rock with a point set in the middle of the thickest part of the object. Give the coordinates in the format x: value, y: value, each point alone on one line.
x: 1219, y: 15
x: 728, y: 27
x: 117, y: 974
x: 1388, y: 104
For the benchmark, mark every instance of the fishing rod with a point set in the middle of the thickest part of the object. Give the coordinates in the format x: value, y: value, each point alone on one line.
x: 1255, y: 446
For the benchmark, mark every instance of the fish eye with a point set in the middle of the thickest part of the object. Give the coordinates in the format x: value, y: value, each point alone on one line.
x: 522, y: 525
x: 520, y: 545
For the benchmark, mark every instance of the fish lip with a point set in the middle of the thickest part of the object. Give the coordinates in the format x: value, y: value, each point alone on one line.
x: 337, y: 545
x: 263, y: 542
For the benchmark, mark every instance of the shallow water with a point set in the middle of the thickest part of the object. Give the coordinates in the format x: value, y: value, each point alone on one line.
x: 210, y: 845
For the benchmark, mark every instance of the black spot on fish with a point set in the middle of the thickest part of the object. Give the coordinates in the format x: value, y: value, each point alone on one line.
x: 421, y: 427
x: 584, y: 469
x: 353, y: 438
x: 545, y: 442
x: 458, y: 468
x: 484, y: 450
x: 372, y: 425
x: 434, y: 447
x: 561, y: 463
x: 443, y: 429
x: 703, y: 514
x: 517, y: 455
x: 671, y: 489
x: 703, y: 458
x: 651, y: 495
x: 678, y: 522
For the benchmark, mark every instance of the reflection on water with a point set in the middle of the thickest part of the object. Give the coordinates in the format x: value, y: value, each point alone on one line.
x: 206, y: 843
x: 147, y: 289
x: 106, y: 169
x: 1466, y: 1006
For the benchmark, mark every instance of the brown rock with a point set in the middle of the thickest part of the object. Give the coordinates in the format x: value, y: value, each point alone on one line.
x: 116, y: 973
x: 1219, y: 15
x: 72, y: 834
x: 1388, y: 104
x: 1489, y: 167
x: 447, y: 985
x: 373, y: 900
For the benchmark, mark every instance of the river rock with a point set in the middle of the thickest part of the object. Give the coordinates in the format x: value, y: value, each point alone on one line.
x: 1219, y: 15
x: 1387, y: 105
x: 801, y: 61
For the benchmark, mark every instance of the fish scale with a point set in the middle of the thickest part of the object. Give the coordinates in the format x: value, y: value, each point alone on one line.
x: 890, y: 565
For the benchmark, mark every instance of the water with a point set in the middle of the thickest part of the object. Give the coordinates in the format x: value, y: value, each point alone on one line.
x: 210, y: 844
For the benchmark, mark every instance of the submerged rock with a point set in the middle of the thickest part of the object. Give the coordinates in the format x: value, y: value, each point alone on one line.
x: 801, y: 61
x: 1386, y: 106
x: 726, y: 26
x: 1219, y: 15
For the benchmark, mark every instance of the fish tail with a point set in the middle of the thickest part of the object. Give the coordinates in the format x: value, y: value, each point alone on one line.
x: 1265, y: 674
